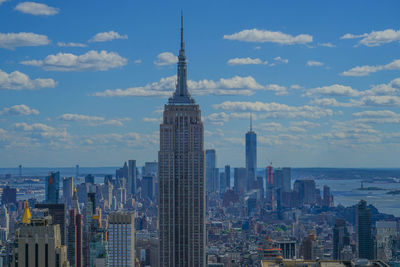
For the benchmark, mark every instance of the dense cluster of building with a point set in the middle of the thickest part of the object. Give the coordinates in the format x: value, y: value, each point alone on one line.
x: 185, y: 211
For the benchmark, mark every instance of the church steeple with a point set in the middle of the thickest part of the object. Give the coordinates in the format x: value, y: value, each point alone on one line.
x: 181, y: 94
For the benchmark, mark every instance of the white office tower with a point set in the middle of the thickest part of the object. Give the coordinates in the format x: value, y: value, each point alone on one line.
x: 181, y: 199
x: 121, y: 239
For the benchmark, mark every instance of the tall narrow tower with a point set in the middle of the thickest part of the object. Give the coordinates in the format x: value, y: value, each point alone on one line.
x: 251, y: 156
x: 181, y: 177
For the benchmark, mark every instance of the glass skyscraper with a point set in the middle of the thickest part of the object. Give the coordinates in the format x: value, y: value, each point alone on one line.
x: 251, y: 156
x: 53, y: 187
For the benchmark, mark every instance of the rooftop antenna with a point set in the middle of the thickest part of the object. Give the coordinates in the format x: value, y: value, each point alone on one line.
x: 251, y: 122
x: 182, y: 44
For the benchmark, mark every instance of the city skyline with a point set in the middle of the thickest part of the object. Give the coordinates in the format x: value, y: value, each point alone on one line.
x: 323, y: 90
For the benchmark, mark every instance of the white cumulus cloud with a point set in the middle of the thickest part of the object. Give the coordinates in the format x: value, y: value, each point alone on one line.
x: 333, y: 90
x: 375, y: 38
x: 381, y: 100
x: 313, y: 63
x: 13, y: 40
x: 274, y: 110
x: 92, y: 120
x: 264, y: 36
x: 37, y: 9
x: 107, y: 36
x: 377, y: 116
x: 92, y: 60
x: 42, y: 132
x: 245, y: 61
x: 281, y: 60
x: 366, y: 69
x: 330, y: 45
x: 19, y: 81
x: 236, y: 85
x: 19, y: 110
x: 166, y: 58
x: 71, y: 44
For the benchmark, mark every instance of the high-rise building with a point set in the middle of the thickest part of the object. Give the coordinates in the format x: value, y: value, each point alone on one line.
x: 306, y: 190
x: 98, y: 245
x: 286, y: 179
x: 89, y: 179
x: 53, y: 187
x: 39, y: 242
x: 90, y: 210
x: 227, y: 177
x: 4, y: 221
x: 77, y: 171
x: 121, y: 239
x: 57, y: 212
x: 122, y: 172
x: 68, y: 190
x: 148, y: 187
x: 251, y: 156
x: 9, y: 195
x: 365, y: 245
x: 211, y: 178
x: 327, y: 201
x: 278, y: 178
x: 181, y: 177
x: 222, y: 187
x: 240, y: 179
x: 341, y: 239
x: 386, y: 240
x: 74, y: 239
x: 270, y: 194
x: 131, y: 177
x: 150, y: 168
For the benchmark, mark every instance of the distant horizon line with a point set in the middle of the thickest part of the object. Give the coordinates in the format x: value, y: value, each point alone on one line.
x: 232, y: 167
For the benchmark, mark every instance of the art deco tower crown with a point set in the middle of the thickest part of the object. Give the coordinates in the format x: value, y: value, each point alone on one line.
x: 181, y: 94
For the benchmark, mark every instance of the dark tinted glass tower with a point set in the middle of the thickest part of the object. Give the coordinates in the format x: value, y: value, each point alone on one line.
x: 364, y: 231
x: 181, y: 177
x: 52, y: 187
x: 341, y: 238
x: 251, y: 157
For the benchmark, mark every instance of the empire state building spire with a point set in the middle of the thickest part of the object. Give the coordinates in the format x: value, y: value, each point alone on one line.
x: 181, y: 94
x: 181, y: 184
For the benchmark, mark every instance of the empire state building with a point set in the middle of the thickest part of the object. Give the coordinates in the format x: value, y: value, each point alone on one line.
x: 181, y: 177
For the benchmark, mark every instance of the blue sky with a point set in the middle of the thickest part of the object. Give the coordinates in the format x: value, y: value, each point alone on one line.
x: 84, y: 83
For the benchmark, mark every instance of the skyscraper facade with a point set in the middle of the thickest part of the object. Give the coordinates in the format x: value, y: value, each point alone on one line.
x: 386, y: 240
x: 74, y: 239
x: 68, y: 190
x: 52, y: 187
x: 251, y: 156
x: 212, y: 173
x: 341, y: 238
x: 39, y: 243
x: 287, y: 179
x: 121, y: 239
x: 132, y: 177
x: 227, y: 177
x: 57, y: 213
x: 9, y: 195
x: 181, y: 177
x: 365, y: 246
